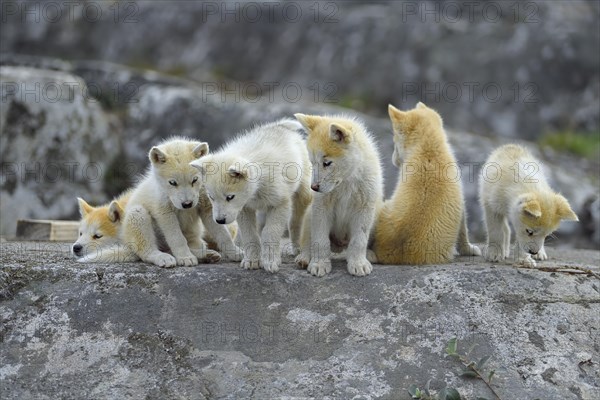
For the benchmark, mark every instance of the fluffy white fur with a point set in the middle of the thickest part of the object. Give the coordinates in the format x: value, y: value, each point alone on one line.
x: 265, y: 170
x: 163, y: 208
x: 513, y: 189
x: 348, y: 185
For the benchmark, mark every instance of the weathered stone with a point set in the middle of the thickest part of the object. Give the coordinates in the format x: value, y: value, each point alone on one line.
x: 509, y: 69
x: 55, y: 142
x: 70, y: 330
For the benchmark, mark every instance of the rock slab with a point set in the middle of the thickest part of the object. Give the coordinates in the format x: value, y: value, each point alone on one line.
x: 70, y: 330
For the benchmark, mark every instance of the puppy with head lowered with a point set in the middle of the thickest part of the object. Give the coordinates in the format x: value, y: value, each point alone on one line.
x: 518, y: 193
x: 348, y: 191
x: 265, y: 169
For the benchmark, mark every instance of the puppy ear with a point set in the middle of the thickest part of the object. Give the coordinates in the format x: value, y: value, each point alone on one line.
x: 309, y: 122
x: 530, y: 206
x: 396, y: 115
x: 563, y: 209
x: 198, y: 165
x: 421, y: 105
x: 84, y: 208
x: 200, y: 150
x: 115, y: 211
x: 235, y: 171
x: 157, y: 156
x: 338, y: 133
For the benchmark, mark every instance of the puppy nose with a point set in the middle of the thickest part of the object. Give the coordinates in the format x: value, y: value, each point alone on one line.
x: 186, y: 204
x: 315, y: 187
x: 532, y: 252
x: 77, y: 248
x: 220, y: 221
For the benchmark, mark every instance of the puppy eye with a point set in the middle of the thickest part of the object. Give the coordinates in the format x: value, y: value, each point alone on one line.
x: 80, y: 233
x: 529, y: 232
x: 229, y: 197
x: 326, y: 163
x: 97, y: 236
x: 172, y: 183
x: 194, y: 180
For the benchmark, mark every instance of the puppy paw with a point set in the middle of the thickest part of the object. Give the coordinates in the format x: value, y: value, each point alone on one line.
x: 290, y: 250
x: 236, y: 254
x: 469, y: 249
x: 163, y: 260
x: 527, y: 261
x: 360, y: 267
x: 206, y: 255
x: 319, y: 268
x: 372, y: 257
x: 541, y: 255
x: 250, y: 264
x: 270, y: 265
x: 211, y: 256
x: 187, y: 261
x: 493, y: 253
x: 302, y: 261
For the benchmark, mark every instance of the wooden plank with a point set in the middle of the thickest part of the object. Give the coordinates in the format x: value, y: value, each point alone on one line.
x: 47, y: 230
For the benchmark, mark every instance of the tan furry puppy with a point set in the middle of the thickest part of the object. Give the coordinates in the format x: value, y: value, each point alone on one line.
x: 420, y: 224
x: 518, y: 193
x: 99, y: 232
x: 348, y: 186
x: 162, y: 208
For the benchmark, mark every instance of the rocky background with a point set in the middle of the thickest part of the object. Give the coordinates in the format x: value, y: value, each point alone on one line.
x: 87, y: 89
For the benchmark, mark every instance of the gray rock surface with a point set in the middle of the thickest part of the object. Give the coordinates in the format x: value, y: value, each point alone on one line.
x: 507, y: 68
x: 55, y: 142
x: 70, y: 330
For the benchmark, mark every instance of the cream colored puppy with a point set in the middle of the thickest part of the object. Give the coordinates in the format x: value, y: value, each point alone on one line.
x: 348, y: 186
x: 163, y: 208
x: 263, y: 170
x: 513, y: 188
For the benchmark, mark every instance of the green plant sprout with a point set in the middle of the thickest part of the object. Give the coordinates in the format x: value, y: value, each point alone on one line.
x: 472, y: 369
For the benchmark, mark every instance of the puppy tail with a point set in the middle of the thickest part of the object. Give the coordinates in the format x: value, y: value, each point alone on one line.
x: 465, y: 248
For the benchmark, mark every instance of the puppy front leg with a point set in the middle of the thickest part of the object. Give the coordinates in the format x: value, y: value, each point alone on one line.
x: 169, y: 225
x: 494, y: 250
x: 522, y: 256
x: 303, y: 258
x: 320, y: 263
x: 138, y: 236
x: 197, y: 246
x: 249, y: 238
x: 358, y: 264
x: 541, y: 255
x: 221, y: 236
x: 276, y: 220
